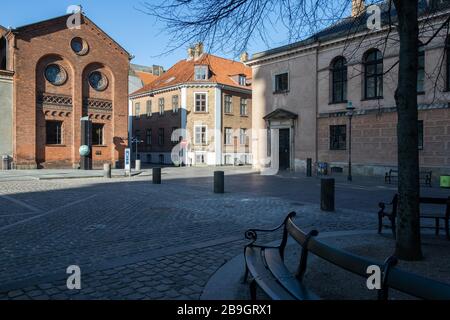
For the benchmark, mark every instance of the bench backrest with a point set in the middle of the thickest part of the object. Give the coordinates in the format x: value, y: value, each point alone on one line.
x: 424, y: 200
x: 403, y: 281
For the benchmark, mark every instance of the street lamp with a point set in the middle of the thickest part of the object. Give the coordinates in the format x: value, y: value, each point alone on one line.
x: 136, y: 141
x: 350, y: 114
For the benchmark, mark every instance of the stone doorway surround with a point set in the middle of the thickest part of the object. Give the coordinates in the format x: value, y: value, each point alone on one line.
x: 276, y: 120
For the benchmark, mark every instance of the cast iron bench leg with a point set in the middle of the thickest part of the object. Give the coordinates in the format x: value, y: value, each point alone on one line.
x: 253, y: 290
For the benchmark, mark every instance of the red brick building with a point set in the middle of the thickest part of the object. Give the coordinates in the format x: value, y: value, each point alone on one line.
x: 61, y: 73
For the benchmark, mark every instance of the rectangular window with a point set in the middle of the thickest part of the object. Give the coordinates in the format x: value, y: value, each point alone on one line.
x: 243, y: 136
x: 420, y: 128
x: 281, y: 83
x: 137, y: 109
x: 53, y: 132
x: 200, y: 135
x: 201, y: 73
x: 161, y: 136
x: 97, y: 134
x: 243, y: 108
x: 200, y: 158
x: 228, y: 136
x: 338, y: 137
x: 242, y: 80
x: 175, y: 105
x: 421, y: 71
x: 161, y: 106
x: 149, y: 108
x: 148, y: 137
x: 228, y: 104
x: 174, y: 138
x: 200, y: 102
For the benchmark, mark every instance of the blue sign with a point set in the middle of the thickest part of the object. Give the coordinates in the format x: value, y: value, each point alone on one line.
x: 127, y: 159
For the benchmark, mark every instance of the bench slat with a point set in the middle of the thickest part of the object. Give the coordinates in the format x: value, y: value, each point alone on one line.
x: 285, y: 277
x: 263, y: 276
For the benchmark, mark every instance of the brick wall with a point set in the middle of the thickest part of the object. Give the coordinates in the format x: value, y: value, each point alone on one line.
x: 49, y: 42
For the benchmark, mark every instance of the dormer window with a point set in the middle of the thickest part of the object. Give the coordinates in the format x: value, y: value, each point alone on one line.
x: 242, y: 80
x: 201, y: 73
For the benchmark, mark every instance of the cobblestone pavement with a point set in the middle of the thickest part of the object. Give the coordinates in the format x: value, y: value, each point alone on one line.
x: 135, y: 240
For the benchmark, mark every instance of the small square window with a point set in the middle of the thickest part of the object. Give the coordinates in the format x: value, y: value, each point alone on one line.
x: 53, y: 132
x: 97, y: 134
x: 201, y: 73
x: 200, y: 102
x: 242, y: 80
x: 338, y: 137
x: 281, y: 83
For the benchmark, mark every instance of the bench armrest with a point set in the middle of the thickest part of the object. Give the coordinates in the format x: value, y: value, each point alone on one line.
x: 252, y: 234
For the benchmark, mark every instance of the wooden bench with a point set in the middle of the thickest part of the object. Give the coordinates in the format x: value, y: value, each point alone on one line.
x: 425, y: 177
x: 436, y: 216
x: 266, y: 266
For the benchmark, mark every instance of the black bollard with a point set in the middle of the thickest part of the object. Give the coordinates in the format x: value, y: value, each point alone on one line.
x: 309, y: 167
x: 327, y: 195
x: 156, y: 175
x: 219, y: 182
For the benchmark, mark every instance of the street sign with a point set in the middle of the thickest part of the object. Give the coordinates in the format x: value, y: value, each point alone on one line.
x: 128, y: 159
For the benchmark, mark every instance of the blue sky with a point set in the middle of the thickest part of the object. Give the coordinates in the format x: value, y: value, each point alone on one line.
x: 140, y: 34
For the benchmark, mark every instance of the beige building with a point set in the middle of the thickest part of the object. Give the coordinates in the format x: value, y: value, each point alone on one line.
x: 199, y: 111
x: 301, y: 92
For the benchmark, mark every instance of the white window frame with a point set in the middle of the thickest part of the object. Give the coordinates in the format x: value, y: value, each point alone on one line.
x: 205, y: 73
x: 246, y: 107
x: 225, y: 104
x: 149, y: 107
x: 137, y: 110
x: 175, y: 110
x: 161, y: 111
x: 243, y: 134
x: 229, y: 143
x: 207, y: 102
x: 195, y: 134
x: 242, y: 80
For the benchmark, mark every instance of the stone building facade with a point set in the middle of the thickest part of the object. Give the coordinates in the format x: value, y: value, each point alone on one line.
x: 301, y: 93
x: 60, y: 74
x: 201, y: 108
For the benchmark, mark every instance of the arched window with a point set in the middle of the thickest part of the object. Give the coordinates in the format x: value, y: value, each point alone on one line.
x: 421, y: 69
x: 373, y: 74
x: 339, y: 80
x: 3, y: 53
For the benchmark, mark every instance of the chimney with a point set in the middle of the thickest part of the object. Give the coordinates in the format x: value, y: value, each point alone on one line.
x: 244, y: 57
x: 358, y: 7
x: 190, y: 52
x: 198, y: 50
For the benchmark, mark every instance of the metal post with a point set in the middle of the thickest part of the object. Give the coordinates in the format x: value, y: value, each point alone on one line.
x: 309, y: 167
x: 156, y: 175
x: 327, y: 196
x: 219, y: 182
x: 107, y: 170
x: 350, y: 178
x: 138, y: 165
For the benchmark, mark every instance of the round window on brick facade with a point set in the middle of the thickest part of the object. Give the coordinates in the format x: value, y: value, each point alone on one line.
x: 79, y: 46
x: 98, y: 81
x: 55, y: 74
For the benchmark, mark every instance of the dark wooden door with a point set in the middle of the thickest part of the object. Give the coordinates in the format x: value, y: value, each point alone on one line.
x: 285, y: 149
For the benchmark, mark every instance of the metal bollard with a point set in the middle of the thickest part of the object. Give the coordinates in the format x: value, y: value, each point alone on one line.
x: 156, y: 175
x: 138, y: 165
x: 327, y: 196
x: 309, y: 167
x: 107, y: 170
x: 219, y: 182
x: 5, y: 163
